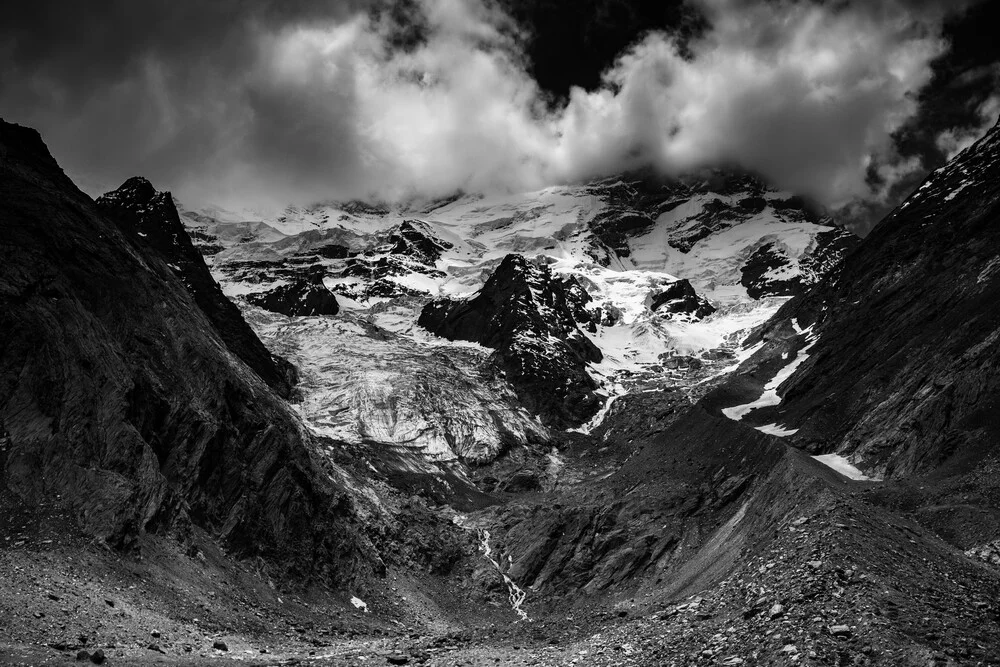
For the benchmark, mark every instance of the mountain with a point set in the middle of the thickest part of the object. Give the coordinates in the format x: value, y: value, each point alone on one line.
x: 134, y: 397
x: 149, y: 218
x: 807, y: 477
x: 918, y: 390
x: 555, y: 302
x: 746, y: 515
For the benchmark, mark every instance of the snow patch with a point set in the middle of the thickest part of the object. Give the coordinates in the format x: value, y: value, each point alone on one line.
x: 770, y: 396
x: 954, y: 193
x: 598, y: 419
x: 778, y: 430
x: 844, y: 467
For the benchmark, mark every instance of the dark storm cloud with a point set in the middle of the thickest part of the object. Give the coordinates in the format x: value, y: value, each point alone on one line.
x: 103, y: 39
x: 246, y: 100
x: 156, y: 86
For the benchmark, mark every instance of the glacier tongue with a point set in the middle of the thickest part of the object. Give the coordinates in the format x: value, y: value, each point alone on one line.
x: 360, y: 382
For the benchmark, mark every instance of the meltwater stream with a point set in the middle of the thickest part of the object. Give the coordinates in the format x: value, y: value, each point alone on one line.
x: 514, y: 592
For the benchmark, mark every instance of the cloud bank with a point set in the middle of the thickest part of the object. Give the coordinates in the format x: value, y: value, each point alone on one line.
x: 289, y: 101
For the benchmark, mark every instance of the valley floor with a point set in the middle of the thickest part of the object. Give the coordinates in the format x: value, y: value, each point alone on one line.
x: 842, y: 581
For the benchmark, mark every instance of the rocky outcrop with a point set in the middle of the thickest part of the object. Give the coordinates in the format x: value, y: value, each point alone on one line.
x: 681, y: 299
x: 121, y: 397
x: 304, y: 296
x: 150, y: 220
x: 530, y: 318
x: 415, y: 239
x: 383, y: 276
x: 769, y: 271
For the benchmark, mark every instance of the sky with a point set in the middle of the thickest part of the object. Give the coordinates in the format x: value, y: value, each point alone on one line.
x: 251, y: 102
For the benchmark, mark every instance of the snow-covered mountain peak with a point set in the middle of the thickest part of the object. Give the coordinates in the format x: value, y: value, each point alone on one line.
x: 568, y: 295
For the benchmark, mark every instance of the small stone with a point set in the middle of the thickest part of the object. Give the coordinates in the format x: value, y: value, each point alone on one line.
x: 97, y: 657
x: 815, y: 564
x: 840, y: 631
x: 220, y: 645
x: 53, y: 596
x: 154, y: 633
x: 156, y: 647
x: 82, y: 655
x: 789, y: 648
x: 777, y: 611
x: 397, y: 659
x: 109, y: 602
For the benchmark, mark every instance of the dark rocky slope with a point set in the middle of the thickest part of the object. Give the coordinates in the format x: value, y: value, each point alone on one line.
x: 788, y: 559
x: 905, y: 373
x: 720, y: 545
x: 149, y: 219
x: 120, y: 399
x: 531, y: 318
x: 638, y: 527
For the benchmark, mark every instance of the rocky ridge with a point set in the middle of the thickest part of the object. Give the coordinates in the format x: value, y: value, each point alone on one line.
x: 149, y: 218
x: 121, y: 399
x: 916, y: 392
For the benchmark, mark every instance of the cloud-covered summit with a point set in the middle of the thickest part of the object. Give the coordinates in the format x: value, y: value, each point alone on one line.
x: 297, y: 101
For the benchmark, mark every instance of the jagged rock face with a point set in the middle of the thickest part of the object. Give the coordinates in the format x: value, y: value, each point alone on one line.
x: 119, y: 397
x: 701, y: 216
x: 149, y: 218
x: 531, y: 319
x: 901, y: 346
x: 385, y: 277
x: 303, y: 297
x: 768, y: 271
x: 681, y: 299
x: 413, y: 238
